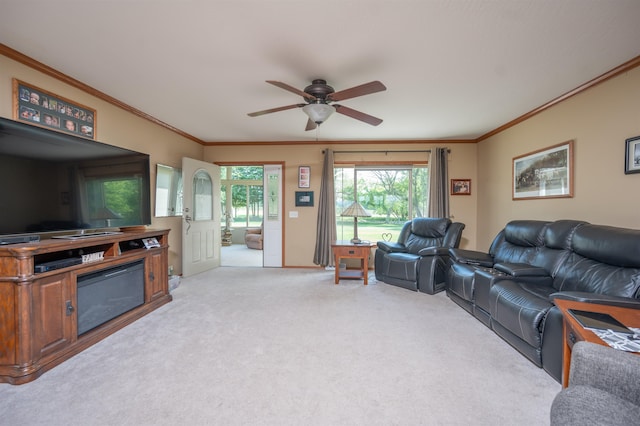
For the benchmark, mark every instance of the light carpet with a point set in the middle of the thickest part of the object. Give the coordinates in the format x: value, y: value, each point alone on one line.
x: 241, y: 346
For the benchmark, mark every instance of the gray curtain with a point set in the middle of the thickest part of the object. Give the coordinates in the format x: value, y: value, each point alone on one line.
x: 438, y: 183
x: 326, y: 224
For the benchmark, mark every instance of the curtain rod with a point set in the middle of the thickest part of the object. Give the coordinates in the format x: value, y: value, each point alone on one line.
x: 378, y: 152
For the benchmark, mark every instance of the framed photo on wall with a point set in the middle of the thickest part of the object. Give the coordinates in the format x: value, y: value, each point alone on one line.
x: 304, y: 198
x: 304, y: 177
x: 460, y: 186
x: 45, y: 109
x: 546, y: 173
x: 632, y: 155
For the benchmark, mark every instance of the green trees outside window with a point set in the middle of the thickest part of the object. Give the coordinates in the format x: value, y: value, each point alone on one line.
x: 244, y: 206
x: 391, y: 194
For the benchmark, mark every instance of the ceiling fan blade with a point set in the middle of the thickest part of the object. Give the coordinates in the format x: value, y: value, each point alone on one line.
x: 310, y: 125
x: 269, y: 111
x: 369, y: 119
x: 292, y: 89
x: 363, y: 89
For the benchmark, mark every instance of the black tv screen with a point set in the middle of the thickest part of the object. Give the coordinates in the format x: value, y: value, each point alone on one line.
x: 53, y: 182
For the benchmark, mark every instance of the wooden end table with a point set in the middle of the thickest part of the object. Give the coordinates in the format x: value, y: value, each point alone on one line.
x: 348, y: 250
x: 575, y: 332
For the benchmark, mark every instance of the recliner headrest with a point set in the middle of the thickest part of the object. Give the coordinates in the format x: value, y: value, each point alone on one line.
x: 559, y: 233
x: 608, y: 244
x: 525, y: 233
x: 430, y: 227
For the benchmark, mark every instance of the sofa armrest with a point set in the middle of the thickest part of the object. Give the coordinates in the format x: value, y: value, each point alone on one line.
x: 389, y: 247
x: 520, y: 270
x: 434, y: 251
x: 610, y: 370
x: 471, y: 257
x: 601, y: 299
x: 253, y: 231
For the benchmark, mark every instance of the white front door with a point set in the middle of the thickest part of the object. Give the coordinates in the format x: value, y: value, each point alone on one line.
x: 272, y: 232
x: 201, y: 232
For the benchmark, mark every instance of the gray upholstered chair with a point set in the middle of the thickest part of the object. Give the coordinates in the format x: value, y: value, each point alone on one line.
x: 604, y: 388
x: 420, y: 258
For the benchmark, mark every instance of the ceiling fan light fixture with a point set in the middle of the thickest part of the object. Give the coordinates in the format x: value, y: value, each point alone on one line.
x: 318, y: 113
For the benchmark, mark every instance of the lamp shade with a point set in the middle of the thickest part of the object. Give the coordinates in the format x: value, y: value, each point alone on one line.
x: 318, y: 113
x: 355, y: 210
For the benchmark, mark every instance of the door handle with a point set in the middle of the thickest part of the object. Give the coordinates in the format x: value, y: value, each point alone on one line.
x: 187, y: 219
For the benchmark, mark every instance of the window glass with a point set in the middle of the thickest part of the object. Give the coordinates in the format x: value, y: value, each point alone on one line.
x: 202, y: 196
x: 391, y: 195
x: 242, y: 196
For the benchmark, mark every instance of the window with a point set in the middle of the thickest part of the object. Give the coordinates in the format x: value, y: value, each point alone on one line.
x: 391, y: 194
x: 244, y: 208
x: 202, y: 196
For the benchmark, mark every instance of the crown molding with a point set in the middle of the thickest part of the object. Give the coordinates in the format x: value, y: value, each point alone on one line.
x: 51, y: 72
x: 588, y: 85
x: 45, y: 69
x: 324, y: 143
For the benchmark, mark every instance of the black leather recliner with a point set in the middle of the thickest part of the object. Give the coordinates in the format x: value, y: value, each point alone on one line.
x: 419, y: 260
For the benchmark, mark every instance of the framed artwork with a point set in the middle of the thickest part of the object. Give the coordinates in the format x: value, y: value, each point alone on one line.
x: 45, y: 109
x: 460, y: 186
x: 546, y: 173
x: 304, y: 176
x: 632, y: 155
x: 304, y: 198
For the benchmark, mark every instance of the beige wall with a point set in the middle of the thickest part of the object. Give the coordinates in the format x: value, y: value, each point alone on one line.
x: 115, y: 126
x: 598, y: 120
x: 300, y: 232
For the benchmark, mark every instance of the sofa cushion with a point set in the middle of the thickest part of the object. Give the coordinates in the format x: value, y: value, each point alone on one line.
x: 519, y: 242
x: 426, y: 232
x: 521, y: 308
x: 578, y: 273
x: 430, y: 227
x: 460, y: 280
x: 585, y: 405
x: 525, y: 233
x: 401, y: 266
x: 558, y: 234
x: 607, y: 244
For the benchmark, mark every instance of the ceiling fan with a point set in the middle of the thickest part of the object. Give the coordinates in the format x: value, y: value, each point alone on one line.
x: 319, y: 96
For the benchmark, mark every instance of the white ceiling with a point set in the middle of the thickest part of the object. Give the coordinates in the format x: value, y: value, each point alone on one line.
x: 454, y: 69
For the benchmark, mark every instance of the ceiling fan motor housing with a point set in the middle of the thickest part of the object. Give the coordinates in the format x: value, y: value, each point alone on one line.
x: 320, y: 89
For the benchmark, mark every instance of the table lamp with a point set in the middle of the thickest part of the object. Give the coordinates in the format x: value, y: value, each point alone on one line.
x: 355, y: 210
x: 106, y: 214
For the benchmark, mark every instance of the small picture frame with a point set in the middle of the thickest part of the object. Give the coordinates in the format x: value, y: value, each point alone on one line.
x: 460, y: 186
x: 632, y: 155
x: 304, y: 198
x: 150, y: 242
x: 304, y: 177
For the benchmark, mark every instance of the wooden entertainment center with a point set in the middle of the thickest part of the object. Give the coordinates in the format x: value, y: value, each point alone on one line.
x: 39, y: 310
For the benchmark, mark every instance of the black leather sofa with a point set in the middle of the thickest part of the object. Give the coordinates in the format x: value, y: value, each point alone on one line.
x: 511, y: 288
x: 419, y: 260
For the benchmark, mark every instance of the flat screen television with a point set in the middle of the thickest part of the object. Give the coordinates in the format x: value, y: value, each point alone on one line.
x: 51, y: 182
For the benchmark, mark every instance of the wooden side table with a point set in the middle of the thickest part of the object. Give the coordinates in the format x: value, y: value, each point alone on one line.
x: 575, y: 332
x: 348, y: 250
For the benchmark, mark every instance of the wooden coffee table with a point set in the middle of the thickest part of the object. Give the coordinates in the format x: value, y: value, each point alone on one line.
x: 575, y: 332
x: 348, y: 250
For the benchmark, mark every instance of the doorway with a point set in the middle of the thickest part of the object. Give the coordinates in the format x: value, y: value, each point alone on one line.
x: 242, y: 189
